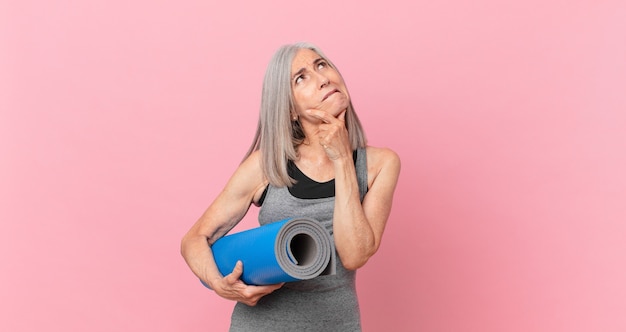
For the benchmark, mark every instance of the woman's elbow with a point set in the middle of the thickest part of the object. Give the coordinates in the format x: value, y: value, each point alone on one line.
x: 353, y: 264
x: 186, y: 244
x: 356, y: 261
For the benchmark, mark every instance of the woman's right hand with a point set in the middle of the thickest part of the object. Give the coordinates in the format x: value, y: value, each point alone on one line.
x: 230, y: 206
x: 232, y: 288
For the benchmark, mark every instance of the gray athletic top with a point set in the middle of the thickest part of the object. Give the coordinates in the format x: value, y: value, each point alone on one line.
x: 325, y: 303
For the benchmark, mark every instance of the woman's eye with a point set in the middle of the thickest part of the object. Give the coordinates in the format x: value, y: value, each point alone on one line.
x: 321, y: 65
x: 298, y: 79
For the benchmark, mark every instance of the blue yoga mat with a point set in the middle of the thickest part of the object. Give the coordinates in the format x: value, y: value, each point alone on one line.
x: 283, y: 251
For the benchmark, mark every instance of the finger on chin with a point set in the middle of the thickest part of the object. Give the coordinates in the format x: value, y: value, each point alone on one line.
x: 319, y: 114
x: 342, y: 115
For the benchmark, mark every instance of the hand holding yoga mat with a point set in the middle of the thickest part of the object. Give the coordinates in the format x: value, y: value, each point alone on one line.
x: 287, y: 250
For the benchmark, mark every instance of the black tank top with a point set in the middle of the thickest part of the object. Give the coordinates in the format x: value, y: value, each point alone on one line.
x: 305, y: 187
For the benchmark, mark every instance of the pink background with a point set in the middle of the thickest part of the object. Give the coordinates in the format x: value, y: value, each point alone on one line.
x: 121, y: 120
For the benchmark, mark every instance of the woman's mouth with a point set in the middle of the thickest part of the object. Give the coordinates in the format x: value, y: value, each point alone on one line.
x: 329, y: 94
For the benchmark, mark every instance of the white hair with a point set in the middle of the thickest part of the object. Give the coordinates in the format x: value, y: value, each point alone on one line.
x: 277, y: 136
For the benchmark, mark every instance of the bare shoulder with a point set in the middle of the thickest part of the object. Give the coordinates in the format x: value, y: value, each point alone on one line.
x: 249, y: 178
x: 382, y: 154
x: 382, y: 158
x: 252, y: 162
x: 382, y: 161
x: 253, y: 171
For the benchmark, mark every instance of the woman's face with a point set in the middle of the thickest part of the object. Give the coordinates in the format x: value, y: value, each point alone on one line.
x: 317, y: 85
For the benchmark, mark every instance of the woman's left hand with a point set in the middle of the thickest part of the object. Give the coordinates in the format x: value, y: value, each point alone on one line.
x: 332, y: 134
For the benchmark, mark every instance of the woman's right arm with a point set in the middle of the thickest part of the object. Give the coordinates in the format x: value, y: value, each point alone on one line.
x: 222, y: 215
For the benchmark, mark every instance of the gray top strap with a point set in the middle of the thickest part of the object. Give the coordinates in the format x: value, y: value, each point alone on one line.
x: 361, y: 171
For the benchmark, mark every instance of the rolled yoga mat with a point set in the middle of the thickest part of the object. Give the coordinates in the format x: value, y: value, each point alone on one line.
x: 283, y: 251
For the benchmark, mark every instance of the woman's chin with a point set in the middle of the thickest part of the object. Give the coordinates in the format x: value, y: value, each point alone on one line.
x: 338, y: 107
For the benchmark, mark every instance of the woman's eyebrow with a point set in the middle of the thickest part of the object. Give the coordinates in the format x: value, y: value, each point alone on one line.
x: 298, y: 72
x: 302, y: 70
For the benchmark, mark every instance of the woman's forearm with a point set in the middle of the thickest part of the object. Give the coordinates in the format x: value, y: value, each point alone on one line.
x: 354, y: 237
x: 198, y: 255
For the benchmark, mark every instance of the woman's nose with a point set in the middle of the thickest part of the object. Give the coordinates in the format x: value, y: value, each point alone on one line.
x: 323, y: 81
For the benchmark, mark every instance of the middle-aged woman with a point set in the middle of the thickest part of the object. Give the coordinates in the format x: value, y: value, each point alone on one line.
x: 309, y: 158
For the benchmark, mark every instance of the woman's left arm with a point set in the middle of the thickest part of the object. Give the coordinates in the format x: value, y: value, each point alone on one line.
x: 358, y: 227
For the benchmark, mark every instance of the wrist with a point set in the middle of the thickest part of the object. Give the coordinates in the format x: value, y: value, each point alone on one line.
x: 344, y: 165
x: 342, y: 160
